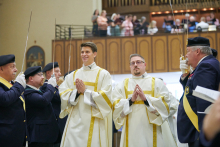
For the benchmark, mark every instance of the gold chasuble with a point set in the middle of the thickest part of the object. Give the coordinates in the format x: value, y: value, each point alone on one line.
x: 141, y: 127
x: 89, y: 122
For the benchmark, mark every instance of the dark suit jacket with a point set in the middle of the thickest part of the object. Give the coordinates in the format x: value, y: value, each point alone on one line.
x: 41, y: 121
x: 206, y: 74
x: 213, y: 143
x: 12, y: 116
x: 56, y: 103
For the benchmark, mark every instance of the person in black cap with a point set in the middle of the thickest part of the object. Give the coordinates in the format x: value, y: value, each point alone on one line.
x: 42, y: 126
x: 206, y: 74
x: 12, y: 105
x: 56, y: 102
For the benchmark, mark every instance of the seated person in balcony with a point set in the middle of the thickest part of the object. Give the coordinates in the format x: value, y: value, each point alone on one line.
x: 184, y: 21
x: 102, y: 23
x: 152, y: 28
x: 127, y: 27
x: 192, y: 24
x: 208, y: 20
x: 214, y: 20
x: 177, y: 28
x: 95, y: 16
x: 168, y: 23
x: 203, y: 25
x: 143, y: 25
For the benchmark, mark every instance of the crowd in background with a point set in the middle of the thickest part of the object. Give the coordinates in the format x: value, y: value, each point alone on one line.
x: 130, y: 25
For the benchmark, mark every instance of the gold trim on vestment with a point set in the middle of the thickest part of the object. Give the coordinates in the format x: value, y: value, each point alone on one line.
x: 65, y: 91
x: 93, y: 118
x: 106, y: 98
x: 67, y: 123
x: 166, y: 105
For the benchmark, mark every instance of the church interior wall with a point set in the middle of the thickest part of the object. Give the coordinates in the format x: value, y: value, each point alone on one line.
x: 14, y: 20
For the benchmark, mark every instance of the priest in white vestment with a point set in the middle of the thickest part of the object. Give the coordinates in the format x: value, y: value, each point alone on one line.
x: 86, y: 98
x: 141, y: 106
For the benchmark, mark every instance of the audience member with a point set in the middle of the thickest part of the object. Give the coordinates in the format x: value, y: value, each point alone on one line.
x: 114, y: 17
x: 177, y: 28
x: 143, y: 25
x: 135, y: 22
x: 168, y: 23
x: 208, y: 20
x: 109, y: 28
x: 127, y: 27
x: 203, y: 25
x: 152, y: 28
x: 95, y: 28
x: 102, y: 23
x: 184, y: 21
x: 214, y: 20
x: 192, y: 24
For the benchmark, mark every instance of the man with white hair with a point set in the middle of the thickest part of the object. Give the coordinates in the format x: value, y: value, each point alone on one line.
x: 206, y: 74
x: 203, y: 25
x: 177, y: 27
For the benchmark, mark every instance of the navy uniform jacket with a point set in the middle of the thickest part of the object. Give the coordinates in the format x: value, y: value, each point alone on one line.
x: 41, y: 122
x: 12, y: 116
x: 206, y: 74
x: 56, y: 103
x: 213, y: 143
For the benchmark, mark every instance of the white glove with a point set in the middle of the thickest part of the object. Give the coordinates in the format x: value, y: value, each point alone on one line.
x: 52, y: 81
x: 183, y: 65
x: 21, y: 79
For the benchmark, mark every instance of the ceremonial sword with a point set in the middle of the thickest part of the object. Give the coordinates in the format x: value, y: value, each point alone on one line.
x: 26, y: 43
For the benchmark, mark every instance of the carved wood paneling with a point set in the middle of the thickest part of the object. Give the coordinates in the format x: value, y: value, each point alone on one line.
x: 211, y: 37
x: 144, y: 49
x: 78, y: 52
x: 59, y: 54
x: 128, y: 48
x: 113, y: 56
x: 73, y: 52
x: 159, y: 54
x: 175, y: 48
x: 101, y: 53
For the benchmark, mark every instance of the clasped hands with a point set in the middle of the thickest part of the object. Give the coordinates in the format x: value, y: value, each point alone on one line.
x: 139, y: 92
x: 80, y: 86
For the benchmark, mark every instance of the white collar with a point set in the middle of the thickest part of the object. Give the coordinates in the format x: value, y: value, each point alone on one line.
x: 201, y: 59
x: 33, y: 87
x: 139, y: 77
x: 90, y: 67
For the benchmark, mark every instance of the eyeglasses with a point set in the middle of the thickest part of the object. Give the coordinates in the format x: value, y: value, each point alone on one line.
x: 40, y: 74
x: 138, y: 62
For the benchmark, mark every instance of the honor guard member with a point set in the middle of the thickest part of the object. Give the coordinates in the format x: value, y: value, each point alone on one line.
x: 12, y: 105
x: 206, y: 74
x: 42, y: 126
x: 56, y: 102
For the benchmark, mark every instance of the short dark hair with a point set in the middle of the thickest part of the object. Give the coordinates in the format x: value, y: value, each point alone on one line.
x: 134, y: 55
x: 91, y: 45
